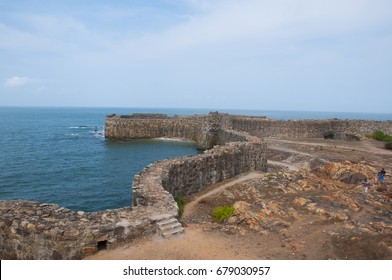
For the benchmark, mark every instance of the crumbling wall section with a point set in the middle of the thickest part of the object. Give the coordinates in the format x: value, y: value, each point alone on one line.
x: 33, y: 230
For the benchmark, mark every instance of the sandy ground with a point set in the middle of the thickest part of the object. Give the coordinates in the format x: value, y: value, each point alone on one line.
x: 308, y: 236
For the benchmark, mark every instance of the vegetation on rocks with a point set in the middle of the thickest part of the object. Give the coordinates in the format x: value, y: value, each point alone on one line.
x: 381, y: 136
x: 181, y: 204
x: 222, y: 213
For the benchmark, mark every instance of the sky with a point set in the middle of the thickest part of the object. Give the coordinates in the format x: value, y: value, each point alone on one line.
x: 311, y: 55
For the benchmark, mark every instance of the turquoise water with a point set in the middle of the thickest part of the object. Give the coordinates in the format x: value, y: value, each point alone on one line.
x: 59, y: 155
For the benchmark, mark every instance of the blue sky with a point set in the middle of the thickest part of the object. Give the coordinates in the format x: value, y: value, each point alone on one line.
x: 312, y: 55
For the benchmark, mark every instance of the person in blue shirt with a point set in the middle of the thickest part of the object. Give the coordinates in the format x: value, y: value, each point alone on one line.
x: 380, y: 176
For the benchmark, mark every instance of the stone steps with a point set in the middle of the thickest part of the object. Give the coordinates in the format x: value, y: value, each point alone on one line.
x: 168, y: 227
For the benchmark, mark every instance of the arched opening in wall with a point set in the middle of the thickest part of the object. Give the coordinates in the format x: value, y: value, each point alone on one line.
x: 102, y: 245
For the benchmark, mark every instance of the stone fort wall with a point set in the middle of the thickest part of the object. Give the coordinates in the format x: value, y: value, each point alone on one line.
x: 145, y: 126
x: 304, y: 128
x: 185, y: 176
x: 33, y: 230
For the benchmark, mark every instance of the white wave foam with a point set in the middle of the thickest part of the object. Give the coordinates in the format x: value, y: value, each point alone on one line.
x: 173, y: 139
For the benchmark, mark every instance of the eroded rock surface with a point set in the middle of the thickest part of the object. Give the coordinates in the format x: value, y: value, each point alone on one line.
x: 320, y: 213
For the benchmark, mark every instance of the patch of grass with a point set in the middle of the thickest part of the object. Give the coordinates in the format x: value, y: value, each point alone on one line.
x: 388, y: 145
x: 380, y: 136
x: 222, y: 213
x: 181, y: 204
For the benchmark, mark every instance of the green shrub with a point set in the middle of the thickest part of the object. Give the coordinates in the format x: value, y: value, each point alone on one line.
x: 180, y: 204
x: 380, y: 136
x: 388, y: 145
x: 222, y: 213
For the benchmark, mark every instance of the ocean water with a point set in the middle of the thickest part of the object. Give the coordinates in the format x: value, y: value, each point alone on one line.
x: 59, y: 155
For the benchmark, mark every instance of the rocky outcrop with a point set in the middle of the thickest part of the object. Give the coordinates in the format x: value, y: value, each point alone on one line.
x: 309, y: 209
x: 323, y: 192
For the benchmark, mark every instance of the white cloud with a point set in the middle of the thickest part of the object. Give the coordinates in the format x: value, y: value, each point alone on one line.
x: 200, y: 48
x: 16, y: 82
x: 263, y: 23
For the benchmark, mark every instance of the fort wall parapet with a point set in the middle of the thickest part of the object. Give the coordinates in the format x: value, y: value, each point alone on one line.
x: 186, y: 126
x: 233, y: 145
x: 263, y: 127
x: 32, y: 230
x: 134, y: 127
x: 185, y: 176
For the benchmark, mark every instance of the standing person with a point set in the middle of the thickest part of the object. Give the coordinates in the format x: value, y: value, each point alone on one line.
x: 380, y: 176
x: 366, y: 185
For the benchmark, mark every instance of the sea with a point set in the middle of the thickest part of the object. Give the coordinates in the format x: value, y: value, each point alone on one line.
x: 60, y: 155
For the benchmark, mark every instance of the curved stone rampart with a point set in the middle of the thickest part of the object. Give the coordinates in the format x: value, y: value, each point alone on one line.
x: 184, y: 176
x: 206, y: 130
x: 31, y: 230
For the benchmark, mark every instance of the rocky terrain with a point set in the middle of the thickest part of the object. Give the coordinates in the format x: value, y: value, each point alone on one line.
x: 310, y: 205
x: 319, y: 209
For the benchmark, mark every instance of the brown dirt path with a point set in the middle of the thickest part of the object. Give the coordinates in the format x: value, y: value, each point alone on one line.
x: 189, y: 207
